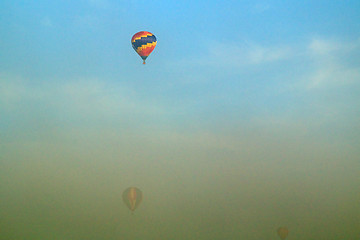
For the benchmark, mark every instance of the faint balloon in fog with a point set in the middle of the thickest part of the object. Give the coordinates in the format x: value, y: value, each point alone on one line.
x: 132, y: 197
x: 282, y: 232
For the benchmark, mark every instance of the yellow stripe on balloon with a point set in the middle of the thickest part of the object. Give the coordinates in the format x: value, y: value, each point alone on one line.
x: 145, y: 35
x: 146, y: 46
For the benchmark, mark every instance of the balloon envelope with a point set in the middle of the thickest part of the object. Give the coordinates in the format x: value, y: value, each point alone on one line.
x: 132, y: 197
x: 282, y: 232
x: 143, y: 43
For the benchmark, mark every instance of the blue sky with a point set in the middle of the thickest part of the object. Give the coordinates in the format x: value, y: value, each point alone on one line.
x: 235, y: 92
x: 234, y: 60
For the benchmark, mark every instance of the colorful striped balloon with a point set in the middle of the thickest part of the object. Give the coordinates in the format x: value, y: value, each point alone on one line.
x: 143, y: 43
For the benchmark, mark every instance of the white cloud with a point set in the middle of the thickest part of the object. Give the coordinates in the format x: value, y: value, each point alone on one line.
x: 261, y: 7
x: 329, y: 66
x: 229, y: 55
x: 85, y: 21
x: 317, y: 63
x: 260, y: 54
x: 84, y: 97
x: 95, y: 96
x: 321, y: 53
x: 99, y: 3
x: 11, y: 91
x: 326, y: 62
x: 321, y: 46
x: 46, y: 22
x: 333, y: 74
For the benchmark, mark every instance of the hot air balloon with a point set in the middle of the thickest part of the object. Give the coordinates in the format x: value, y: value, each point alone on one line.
x: 282, y: 232
x: 132, y: 197
x: 143, y: 43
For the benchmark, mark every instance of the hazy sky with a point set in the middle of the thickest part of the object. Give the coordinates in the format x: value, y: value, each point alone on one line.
x: 245, y: 118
